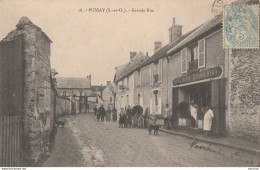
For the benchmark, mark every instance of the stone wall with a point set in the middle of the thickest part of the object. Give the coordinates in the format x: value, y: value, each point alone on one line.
x: 37, y: 89
x: 244, y: 94
x: 62, y: 106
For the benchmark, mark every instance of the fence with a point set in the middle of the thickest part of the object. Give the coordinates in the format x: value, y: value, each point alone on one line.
x: 11, y: 102
x: 11, y: 141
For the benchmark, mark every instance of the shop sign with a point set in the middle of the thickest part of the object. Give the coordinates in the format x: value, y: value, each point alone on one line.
x: 197, y: 76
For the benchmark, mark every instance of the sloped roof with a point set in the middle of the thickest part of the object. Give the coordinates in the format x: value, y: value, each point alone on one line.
x: 20, y: 27
x: 162, y: 52
x: 131, y: 66
x: 97, y: 88
x: 111, y: 87
x: 72, y: 82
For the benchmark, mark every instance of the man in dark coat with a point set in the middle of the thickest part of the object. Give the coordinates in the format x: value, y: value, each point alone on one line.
x: 102, y: 112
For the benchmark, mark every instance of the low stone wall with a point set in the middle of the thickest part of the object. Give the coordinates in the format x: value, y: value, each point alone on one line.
x: 244, y: 94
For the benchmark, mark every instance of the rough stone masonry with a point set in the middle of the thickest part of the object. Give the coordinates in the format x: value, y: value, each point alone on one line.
x: 37, y: 89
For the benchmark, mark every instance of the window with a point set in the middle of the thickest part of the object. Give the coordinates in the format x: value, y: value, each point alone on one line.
x: 160, y: 71
x: 151, y: 74
x: 127, y: 100
x: 201, y: 55
x: 184, y: 60
x: 111, y: 99
x: 140, y: 78
x: 192, y: 54
x: 139, y: 99
x: 127, y: 83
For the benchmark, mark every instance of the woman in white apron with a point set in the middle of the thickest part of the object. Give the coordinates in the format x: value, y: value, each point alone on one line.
x: 194, y: 114
x: 209, y: 115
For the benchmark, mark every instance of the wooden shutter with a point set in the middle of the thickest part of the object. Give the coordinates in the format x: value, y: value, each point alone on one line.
x: 184, y: 60
x: 201, y: 57
x: 151, y: 74
x: 151, y: 103
x: 159, y: 102
x: 160, y: 70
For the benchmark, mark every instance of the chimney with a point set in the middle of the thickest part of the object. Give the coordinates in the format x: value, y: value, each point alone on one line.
x: 89, y: 77
x: 175, y: 32
x: 132, y: 54
x: 157, y: 45
x: 108, y: 82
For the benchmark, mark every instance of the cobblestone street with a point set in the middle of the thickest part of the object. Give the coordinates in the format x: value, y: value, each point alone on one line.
x: 85, y: 142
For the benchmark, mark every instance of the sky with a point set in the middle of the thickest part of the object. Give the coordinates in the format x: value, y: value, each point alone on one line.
x: 96, y: 42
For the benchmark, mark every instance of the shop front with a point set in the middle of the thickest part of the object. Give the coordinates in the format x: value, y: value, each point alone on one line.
x: 203, y: 88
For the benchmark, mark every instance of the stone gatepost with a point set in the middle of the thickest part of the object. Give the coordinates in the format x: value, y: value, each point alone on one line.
x: 37, y: 89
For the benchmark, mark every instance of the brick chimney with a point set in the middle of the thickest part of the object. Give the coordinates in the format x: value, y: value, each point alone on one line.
x: 157, y: 45
x: 89, y: 78
x: 175, y: 31
x: 108, y: 82
x: 132, y: 54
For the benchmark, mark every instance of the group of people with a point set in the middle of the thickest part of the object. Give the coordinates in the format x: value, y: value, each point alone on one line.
x: 129, y: 118
x: 207, y: 119
x: 102, y: 114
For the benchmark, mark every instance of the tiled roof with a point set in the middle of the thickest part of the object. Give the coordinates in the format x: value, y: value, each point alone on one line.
x: 72, y: 82
x: 130, y: 67
x: 97, y: 88
x: 162, y: 52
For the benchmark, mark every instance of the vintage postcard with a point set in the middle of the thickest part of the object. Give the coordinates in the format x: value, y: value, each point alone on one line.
x: 133, y: 83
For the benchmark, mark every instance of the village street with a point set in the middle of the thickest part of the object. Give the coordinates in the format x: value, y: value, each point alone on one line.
x: 85, y: 142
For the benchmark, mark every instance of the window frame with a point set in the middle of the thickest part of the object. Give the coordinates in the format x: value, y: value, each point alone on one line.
x: 204, y: 53
x: 186, y: 59
x: 160, y: 71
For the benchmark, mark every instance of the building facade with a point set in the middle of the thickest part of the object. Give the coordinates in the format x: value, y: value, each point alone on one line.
x: 126, y: 79
x: 195, y: 67
x: 109, y: 96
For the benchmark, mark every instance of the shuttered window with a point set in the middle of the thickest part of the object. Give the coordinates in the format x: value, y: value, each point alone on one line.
x: 151, y: 74
x: 160, y: 71
x: 184, y: 60
x: 201, y: 62
x: 159, y: 101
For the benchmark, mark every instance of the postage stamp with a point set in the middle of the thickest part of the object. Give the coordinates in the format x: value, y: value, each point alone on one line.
x: 241, y: 26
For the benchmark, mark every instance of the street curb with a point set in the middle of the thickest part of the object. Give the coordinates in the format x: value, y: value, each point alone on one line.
x: 211, y: 142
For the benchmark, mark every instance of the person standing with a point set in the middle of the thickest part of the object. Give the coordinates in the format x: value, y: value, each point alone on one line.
x: 108, y: 114
x: 102, y: 112
x: 167, y: 116
x: 114, y: 115
x: 209, y: 115
x: 194, y: 114
x: 95, y: 110
x: 121, y: 118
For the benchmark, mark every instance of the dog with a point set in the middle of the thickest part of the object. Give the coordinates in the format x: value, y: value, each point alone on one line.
x: 155, y: 128
x: 60, y: 122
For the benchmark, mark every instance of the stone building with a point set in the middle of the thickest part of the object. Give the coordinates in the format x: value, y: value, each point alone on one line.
x: 195, y: 67
x: 109, y: 95
x: 126, y: 78
x: 77, y: 89
x: 36, y: 93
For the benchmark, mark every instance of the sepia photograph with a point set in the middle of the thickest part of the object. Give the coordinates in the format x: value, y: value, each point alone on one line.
x: 129, y: 83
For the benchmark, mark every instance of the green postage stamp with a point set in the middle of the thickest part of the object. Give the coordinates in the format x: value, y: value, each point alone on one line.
x: 241, y: 26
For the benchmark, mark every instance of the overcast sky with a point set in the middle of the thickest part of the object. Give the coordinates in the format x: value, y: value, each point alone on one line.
x: 94, y: 43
